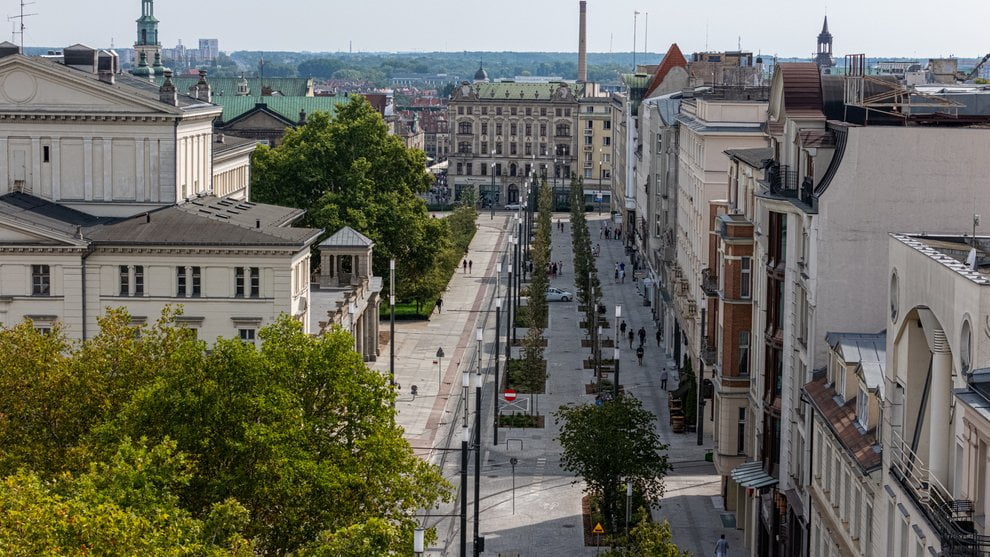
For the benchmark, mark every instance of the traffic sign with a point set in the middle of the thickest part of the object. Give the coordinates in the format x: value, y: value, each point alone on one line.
x: 509, y: 395
x: 598, y: 529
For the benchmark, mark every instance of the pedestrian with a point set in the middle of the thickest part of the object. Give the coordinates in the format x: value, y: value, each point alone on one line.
x: 616, y: 272
x: 659, y: 337
x: 470, y: 266
x: 639, y: 354
x: 663, y: 380
x: 465, y: 265
x: 622, y: 277
x: 560, y: 268
x: 601, y: 232
x: 632, y: 335
x: 439, y: 304
x: 722, y: 547
x: 622, y: 327
x: 642, y: 335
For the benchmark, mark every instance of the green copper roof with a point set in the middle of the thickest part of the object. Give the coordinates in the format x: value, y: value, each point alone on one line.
x: 287, y: 107
x: 288, y: 86
x: 637, y: 80
x: 517, y: 91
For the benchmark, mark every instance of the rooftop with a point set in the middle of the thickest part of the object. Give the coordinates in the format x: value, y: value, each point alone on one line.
x: 757, y: 158
x: 286, y: 107
x: 958, y: 253
x: 518, y: 91
x: 841, y: 419
x: 867, y: 350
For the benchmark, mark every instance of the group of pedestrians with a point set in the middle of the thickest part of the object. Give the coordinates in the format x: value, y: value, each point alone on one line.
x: 609, y: 232
x: 620, y: 272
x: 468, y: 266
x: 555, y: 269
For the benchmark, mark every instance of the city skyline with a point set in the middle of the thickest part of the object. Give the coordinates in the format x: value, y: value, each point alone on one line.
x: 327, y: 28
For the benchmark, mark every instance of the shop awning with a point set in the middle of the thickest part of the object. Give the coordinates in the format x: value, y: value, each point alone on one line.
x: 751, y: 474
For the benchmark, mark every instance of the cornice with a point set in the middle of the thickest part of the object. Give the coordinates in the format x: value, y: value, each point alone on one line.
x: 76, y: 117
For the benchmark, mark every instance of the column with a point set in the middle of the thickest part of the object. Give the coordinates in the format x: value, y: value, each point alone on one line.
x: 88, y: 168
x: 940, y: 432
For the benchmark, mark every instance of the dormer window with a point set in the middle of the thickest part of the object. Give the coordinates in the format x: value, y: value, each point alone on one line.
x: 863, y: 409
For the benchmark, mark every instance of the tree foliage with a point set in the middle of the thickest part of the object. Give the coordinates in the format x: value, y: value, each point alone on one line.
x: 610, y: 444
x: 649, y: 539
x: 253, y: 442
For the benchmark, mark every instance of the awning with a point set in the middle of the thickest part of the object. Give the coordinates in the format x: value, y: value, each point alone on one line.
x: 751, y: 474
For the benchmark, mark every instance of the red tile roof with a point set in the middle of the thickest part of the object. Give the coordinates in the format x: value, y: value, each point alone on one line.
x: 842, y: 421
x: 672, y: 59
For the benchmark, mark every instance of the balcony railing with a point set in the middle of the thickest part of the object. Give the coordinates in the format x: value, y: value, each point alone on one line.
x: 709, y: 282
x: 709, y: 352
x: 951, y: 518
x: 783, y: 181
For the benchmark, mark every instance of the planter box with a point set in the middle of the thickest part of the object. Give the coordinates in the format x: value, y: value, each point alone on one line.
x: 514, y: 381
x: 521, y: 421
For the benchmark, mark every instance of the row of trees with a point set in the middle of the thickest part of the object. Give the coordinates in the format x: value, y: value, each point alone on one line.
x: 539, y: 253
x: 141, y: 441
x: 348, y: 170
x: 589, y: 291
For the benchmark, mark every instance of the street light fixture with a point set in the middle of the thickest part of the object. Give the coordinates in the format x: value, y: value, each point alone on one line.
x: 419, y: 541
x: 391, y: 334
x: 618, y: 314
x: 477, y: 445
x: 465, y: 437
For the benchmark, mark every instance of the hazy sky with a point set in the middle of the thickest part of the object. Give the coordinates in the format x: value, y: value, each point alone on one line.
x: 783, y: 27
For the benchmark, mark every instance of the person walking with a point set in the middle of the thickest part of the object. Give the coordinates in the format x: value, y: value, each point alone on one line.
x: 622, y: 276
x: 659, y: 337
x: 722, y: 547
x: 622, y: 327
x: 616, y: 272
x: 470, y: 266
x: 639, y: 354
x: 465, y: 266
x: 642, y: 335
x: 663, y: 379
x: 632, y: 336
x: 439, y: 304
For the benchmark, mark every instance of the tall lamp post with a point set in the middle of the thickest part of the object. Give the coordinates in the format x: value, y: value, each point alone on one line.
x: 618, y: 314
x: 601, y: 175
x: 498, y: 327
x: 391, y: 327
x: 465, y: 437
x: 492, y: 193
x: 476, y: 545
x: 518, y: 284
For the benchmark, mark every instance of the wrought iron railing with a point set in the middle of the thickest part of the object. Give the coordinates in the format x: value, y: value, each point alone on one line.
x: 709, y: 282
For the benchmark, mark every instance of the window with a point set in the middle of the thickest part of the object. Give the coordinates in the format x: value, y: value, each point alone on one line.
x: 863, y: 409
x: 528, y: 168
x: 512, y: 148
x: 139, y: 280
x: 469, y: 167
x: 46, y: 154
x: 529, y: 111
x: 464, y: 147
x: 606, y: 141
x: 559, y: 112
x: 543, y: 111
x: 498, y: 148
x: 607, y: 125
x: 589, y: 140
x: 470, y: 110
x: 484, y: 148
x: 498, y: 111
x: 246, y: 335
x: 512, y: 111
x: 464, y: 127
x: 741, y: 432
x: 197, y: 283
x: 41, y: 280
x: 590, y: 109
x: 743, y: 353
x: 746, y: 277
x: 543, y: 148
x: 563, y: 130
x: 587, y: 173
x: 239, y: 282
x: 607, y: 158
x: 460, y: 168
x: 125, y: 280
x: 255, y: 282
x: 484, y: 169
x: 529, y: 129
x: 512, y: 169
x: 484, y: 129
x: 498, y: 128
x: 563, y: 149
x: 512, y: 129
x: 180, y: 282
x: 484, y: 111
x: 543, y: 130
x: 567, y: 112
x: 460, y: 110
x: 529, y: 149
x: 590, y: 124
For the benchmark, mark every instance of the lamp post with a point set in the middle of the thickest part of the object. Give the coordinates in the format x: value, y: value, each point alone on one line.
x: 615, y: 388
x: 498, y: 326
x: 419, y: 539
x: 508, y: 320
x: 465, y: 437
x: 598, y: 198
x: 477, y: 443
x: 492, y: 192
x: 391, y: 327
x: 618, y: 314
x: 628, y: 507
x: 518, y: 284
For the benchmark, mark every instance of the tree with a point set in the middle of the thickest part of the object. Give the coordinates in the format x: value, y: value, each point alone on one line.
x: 649, y: 539
x: 610, y: 444
x: 349, y: 170
x: 126, y: 506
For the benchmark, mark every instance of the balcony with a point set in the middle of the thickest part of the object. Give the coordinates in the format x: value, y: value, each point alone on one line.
x: 951, y: 518
x: 709, y: 352
x: 783, y: 181
x: 709, y: 282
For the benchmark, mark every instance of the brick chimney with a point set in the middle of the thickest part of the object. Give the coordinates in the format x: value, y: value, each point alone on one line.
x: 582, y: 73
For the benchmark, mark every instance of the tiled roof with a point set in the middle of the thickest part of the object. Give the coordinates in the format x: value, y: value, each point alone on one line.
x: 672, y: 59
x: 347, y: 237
x: 517, y: 91
x: 753, y: 157
x: 802, y: 86
x: 287, y: 107
x: 227, y: 86
x: 841, y: 419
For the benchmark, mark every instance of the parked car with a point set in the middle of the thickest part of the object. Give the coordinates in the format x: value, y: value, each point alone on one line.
x: 513, y: 206
x: 558, y: 295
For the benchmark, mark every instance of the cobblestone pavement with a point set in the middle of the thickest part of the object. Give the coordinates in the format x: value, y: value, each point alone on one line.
x: 541, y: 514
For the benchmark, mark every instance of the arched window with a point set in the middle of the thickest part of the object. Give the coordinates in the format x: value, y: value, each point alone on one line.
x: 464, y: 147
x: 464, y: 127
x: 563, y: 130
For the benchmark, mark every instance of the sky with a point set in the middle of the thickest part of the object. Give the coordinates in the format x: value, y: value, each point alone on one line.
x: 781, y: 27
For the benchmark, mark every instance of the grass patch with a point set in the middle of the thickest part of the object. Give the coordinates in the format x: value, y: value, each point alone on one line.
x: 520, y: 420
x: 519, y: 380
x: 407, y: 311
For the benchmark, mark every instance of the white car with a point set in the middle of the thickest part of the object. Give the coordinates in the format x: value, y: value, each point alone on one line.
x: 558, y: 295
x: 513, y: 206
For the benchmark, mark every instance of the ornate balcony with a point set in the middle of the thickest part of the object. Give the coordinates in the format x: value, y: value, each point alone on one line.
x: 709, y: 282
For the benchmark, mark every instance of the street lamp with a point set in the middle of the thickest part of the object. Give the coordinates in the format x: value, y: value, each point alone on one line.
x: 618, y: 314
x: 465, y: 437
x: 492, y: 192
x: 477, y: 445
x: 351, y: 310
x: 419, y: 539
x: 598, y: 198
x: 508, y: 320
x: 498, y: 326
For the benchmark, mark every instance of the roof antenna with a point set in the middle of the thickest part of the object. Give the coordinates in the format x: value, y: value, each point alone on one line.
x: 22, y: 26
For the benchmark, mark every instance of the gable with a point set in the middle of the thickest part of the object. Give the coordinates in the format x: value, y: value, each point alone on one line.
x: 257, y: 119
x: 15, y: 234
x: 39, y: 85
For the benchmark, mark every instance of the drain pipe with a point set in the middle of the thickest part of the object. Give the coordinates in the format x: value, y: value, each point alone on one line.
x: 85, y: 254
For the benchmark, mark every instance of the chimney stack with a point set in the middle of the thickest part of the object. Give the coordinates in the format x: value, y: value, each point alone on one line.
x: 582, y: 74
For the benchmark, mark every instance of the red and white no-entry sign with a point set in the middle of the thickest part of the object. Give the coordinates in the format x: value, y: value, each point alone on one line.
x: 509, y: 395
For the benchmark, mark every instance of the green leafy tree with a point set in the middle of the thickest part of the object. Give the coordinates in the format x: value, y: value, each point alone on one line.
x: 127, y: 506
x: 649, y: 539
x: 609, y: 445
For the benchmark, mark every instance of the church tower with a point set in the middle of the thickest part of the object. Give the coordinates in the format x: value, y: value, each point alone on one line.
x: 824, y: 56
x: 147, y: 33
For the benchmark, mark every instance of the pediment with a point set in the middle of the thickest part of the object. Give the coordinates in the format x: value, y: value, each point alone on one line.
x: 28, y: 85
x: 257, y: 119
x: 17, y: 234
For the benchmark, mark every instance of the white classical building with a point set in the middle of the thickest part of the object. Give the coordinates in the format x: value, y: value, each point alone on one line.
x: 115, y: 192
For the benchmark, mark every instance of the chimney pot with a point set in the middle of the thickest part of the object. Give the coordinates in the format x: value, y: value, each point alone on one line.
x: 257, y: 223
x: 147, y: 218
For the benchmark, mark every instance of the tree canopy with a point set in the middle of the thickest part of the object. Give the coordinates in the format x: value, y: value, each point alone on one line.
x: 292, y: 445
x: 610, y: 444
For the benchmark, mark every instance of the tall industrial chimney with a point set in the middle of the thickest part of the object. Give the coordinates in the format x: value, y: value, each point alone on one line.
x: 582, y: 76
